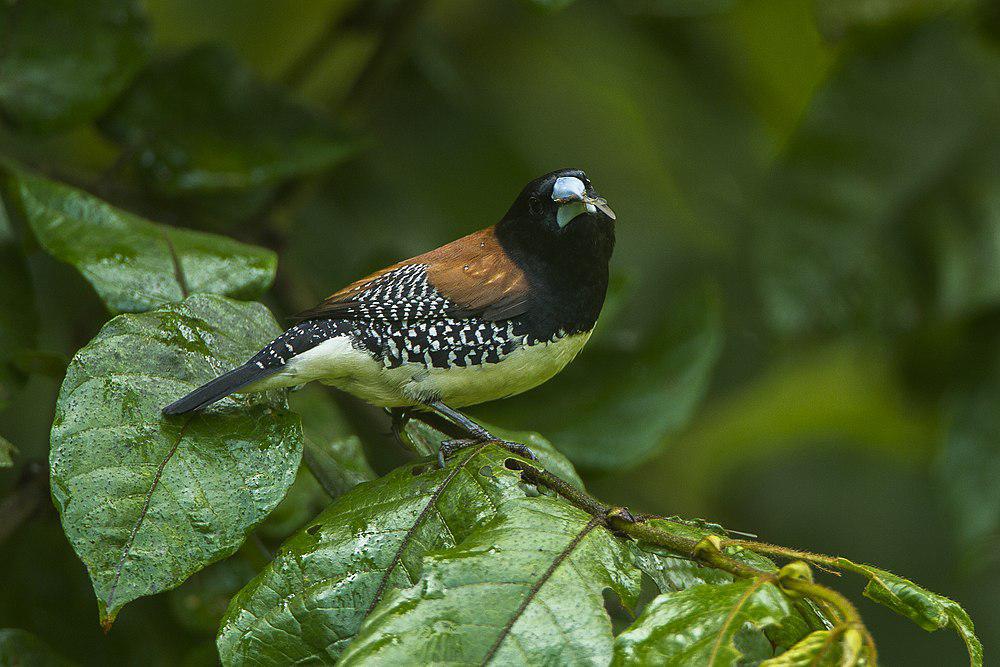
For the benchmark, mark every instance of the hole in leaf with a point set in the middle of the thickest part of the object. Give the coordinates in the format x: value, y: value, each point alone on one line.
x: 312, y: 530
x: 621, y: 616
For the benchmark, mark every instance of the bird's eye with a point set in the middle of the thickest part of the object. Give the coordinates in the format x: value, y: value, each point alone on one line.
x: 534, y: 206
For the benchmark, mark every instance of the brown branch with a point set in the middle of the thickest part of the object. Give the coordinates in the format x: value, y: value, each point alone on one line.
x: 794, y: 579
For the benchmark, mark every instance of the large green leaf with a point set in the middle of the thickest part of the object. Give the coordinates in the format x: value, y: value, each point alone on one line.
x: 309, y: 603
x: 229, y: 130
x: 65, y: 61
x: 19, y: 648
x: 830, y: 249
x: 145, y: 500
x: 134, y: 264
x: 817, y: 649
x: 523, y: 588
x: 928, y: 610
x: 614, y: 406
x: 18, y: 319
x: 701, y: 625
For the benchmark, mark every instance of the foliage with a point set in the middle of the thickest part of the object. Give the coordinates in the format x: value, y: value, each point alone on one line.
x: 807, y: 255
x: 699, y: 626
x: 50, y: 83
x: 136, y: 265
x: 148, y: 501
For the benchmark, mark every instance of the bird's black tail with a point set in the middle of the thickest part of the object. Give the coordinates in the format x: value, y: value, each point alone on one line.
x: 219, y: 388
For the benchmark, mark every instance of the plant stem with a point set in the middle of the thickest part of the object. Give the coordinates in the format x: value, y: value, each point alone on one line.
x: 709, y: 551
x: 311, y: 459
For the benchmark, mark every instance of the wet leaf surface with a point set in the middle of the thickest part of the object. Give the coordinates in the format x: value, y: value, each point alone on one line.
x: 135, y: 264
x: 146, y: 501
x: 309, y: 603
x: 523, y: 588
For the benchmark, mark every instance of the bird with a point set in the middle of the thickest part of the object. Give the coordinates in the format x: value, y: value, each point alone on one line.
x: 485, y: 317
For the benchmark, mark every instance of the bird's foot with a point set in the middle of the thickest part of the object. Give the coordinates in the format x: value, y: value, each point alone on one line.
x: 449, y: 448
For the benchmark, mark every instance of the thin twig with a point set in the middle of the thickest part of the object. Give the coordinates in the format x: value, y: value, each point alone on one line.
x: 311, y: 459
x: 709, y: 551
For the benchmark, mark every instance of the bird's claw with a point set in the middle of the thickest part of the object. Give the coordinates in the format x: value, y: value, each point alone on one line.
x: 449, y: 448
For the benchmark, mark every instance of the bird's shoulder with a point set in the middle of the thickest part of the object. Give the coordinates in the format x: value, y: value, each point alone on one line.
x: 471, y: 276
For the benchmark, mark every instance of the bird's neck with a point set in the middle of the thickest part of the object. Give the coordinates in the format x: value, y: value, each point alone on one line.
x: 568, y: 274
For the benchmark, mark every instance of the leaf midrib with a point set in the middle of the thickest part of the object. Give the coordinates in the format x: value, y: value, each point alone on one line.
x: 556, y: 563
x: 717, y: 645
x: 418, y: 522
x: 109, y: 608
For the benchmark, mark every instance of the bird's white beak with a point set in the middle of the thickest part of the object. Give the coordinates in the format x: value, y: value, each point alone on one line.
x: 599, y: 204
x: 571, y: 195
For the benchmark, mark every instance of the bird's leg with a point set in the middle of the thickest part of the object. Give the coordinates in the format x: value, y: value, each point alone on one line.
x: 476, y: 433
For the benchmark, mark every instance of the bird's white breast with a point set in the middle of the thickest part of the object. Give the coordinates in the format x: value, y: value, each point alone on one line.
x: 339, y: 363
x: 521, y: 370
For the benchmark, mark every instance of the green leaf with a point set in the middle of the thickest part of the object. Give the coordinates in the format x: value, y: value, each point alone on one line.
x: 426, y: 440
x: 928, y: 610
x: 65, y: 61
x: 700, y: 625
x: 229, y: 130
x: 18, y: 317
x: 523, y: 588
x: 331, y: 448
x: 7, y: 452
x: 309, y: 603
x: 671, y: 572
x: 614, y: 406
x: 830, y: 245
x: 146, y: 501
x: 136, y: 265
x: 817, y: 649
x: 20, y: 648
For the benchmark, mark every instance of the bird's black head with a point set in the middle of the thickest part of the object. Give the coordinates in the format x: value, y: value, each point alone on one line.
x: 559, y: 201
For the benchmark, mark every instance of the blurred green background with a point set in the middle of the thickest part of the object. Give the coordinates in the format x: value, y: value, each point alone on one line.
x: 803, y: 335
